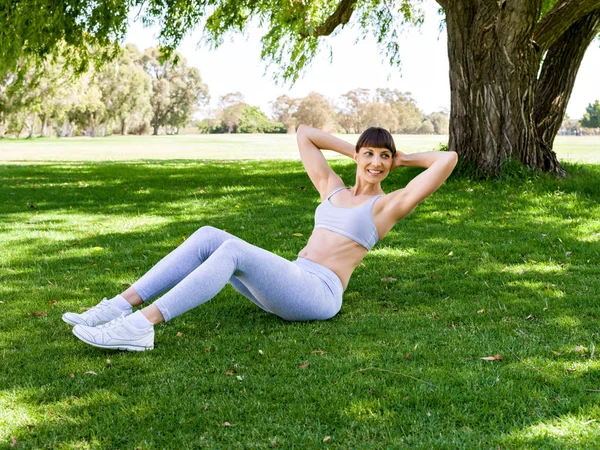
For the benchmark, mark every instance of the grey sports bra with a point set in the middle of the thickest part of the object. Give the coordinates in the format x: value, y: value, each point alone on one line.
x: 354, y: 223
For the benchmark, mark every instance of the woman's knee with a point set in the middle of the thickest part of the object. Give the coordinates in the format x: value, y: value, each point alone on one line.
x: 209, y: 234
x: 206, y: 240
x: 205, y: 231
x: 234, y: 245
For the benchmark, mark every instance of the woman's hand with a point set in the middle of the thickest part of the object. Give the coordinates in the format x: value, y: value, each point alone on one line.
x: 398, y: 160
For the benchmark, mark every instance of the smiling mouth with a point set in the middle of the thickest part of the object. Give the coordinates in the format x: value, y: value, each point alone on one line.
x: 375, y: 172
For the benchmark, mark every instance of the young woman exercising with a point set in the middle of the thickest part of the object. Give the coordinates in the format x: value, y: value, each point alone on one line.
x: 348, y: 223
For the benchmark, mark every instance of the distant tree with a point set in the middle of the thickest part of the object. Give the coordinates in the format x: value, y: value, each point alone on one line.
x: 426, y: 127
x: 284, y: 109
x: 344, y: 120
x: 409, y: 116
x: 88, y: 111
x: 252, y: 120
x: 212, y: 125
x: 353, y: 106
x: 232, y: 106
x: 378, y: 114
x: 177, y: 90
x: 187, y: 94
x: 316, y: 111
x: 34, y: 98
x: 439, y: 121
x: 591, y: 119
x: 126, y: 89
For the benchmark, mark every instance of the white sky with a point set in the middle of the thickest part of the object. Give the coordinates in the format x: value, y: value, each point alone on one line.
x: 236, y: 66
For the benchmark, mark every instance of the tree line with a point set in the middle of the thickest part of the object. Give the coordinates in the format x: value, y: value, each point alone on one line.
x: 352, y: 112
x: 139, y: 93
x: 133, y: 93
x: 142, y: 93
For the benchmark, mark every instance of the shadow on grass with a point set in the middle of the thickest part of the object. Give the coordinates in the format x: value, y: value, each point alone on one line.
x: 471, y: 281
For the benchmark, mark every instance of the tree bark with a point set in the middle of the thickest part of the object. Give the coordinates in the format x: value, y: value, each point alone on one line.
x: 493, y: 74
x: 559, y: 19
x: 557, y: 77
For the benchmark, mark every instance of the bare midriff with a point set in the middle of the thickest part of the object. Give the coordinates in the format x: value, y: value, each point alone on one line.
x: 334, y: 251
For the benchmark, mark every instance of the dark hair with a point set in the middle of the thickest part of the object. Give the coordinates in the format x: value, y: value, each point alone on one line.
x: 376, y: 137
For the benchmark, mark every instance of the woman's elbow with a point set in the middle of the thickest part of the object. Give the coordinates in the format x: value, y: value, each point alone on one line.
x: 453, y: 158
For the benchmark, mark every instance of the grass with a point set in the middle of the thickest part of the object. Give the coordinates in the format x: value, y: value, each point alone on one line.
x: 506, y: 267
x: 228, y: 147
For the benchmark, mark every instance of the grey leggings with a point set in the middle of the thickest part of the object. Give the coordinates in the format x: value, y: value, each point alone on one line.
x: 199, y: 268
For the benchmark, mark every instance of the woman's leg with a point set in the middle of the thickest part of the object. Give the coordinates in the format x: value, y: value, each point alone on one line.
x: 285, y: 288
x: 178, y: 264
x: 166, y: 273
x: 278, y: 285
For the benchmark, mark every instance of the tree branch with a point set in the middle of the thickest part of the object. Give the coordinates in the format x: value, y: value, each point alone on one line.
x: 559, y: 19
x: 442, y: 3
x: 340, y: 16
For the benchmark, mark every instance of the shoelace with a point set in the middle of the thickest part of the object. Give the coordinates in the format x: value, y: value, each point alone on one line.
x: 119, y: 319
x: 103, y: 305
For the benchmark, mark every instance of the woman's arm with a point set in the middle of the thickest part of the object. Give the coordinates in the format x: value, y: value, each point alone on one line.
x: 438, y: 165
x: 310, y: 143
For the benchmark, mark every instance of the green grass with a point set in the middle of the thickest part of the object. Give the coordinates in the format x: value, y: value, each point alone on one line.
x: 504, y: 267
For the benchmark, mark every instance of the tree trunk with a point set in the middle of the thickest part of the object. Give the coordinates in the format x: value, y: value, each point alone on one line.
x: 44, y: 120
x: 493, y: 71
x: 30, y: 128
x: 557, y: 77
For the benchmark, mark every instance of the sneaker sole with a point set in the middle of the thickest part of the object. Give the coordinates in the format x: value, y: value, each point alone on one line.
x: 72, y: 322
x: 129, y: 348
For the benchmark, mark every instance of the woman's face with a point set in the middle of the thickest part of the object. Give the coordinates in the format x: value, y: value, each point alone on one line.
x: 373, y: 164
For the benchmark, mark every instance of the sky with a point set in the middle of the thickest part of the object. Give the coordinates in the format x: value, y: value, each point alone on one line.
x: 236, y: 66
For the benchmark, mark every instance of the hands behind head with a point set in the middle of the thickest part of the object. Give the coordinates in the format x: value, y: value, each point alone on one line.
x: 398, y: 160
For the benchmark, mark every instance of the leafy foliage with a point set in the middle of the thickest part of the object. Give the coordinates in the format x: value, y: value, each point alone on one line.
x: 591, y: 119
x: 123, y: 93
x: 291, y: 39
x: 74, y: 30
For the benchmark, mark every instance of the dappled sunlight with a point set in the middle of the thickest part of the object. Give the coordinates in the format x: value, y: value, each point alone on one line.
x: 391, y: 252
x: 572, y: 430
x: 535, y: 268
x: 457, y: 280
x: 367, y: 410
x: 565, y: 321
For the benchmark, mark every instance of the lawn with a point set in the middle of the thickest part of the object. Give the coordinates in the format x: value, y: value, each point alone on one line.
x: 222, y: 146
x: 506, y: 268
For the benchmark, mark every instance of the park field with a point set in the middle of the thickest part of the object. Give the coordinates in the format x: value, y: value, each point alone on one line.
x: 471, y: 325
x: 228, y: 147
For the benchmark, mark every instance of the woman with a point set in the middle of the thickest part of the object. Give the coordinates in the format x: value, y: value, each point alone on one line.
x: 348, y: 222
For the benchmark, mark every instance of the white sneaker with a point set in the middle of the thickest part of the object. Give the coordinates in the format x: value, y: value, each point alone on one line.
x: 102, y: 313
x: 118, y: 334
